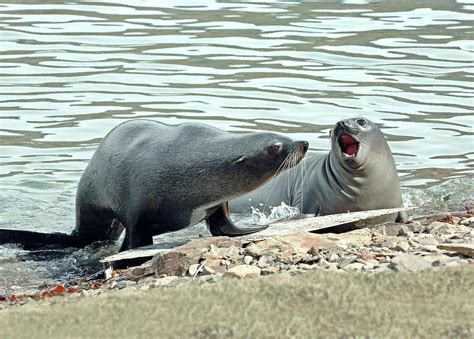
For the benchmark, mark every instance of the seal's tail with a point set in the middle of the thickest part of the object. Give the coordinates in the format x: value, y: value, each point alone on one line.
x: 29, y: 240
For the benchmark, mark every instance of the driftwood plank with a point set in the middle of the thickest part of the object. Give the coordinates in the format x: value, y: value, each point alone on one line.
x: 318, y: 223
x: 276, y: 229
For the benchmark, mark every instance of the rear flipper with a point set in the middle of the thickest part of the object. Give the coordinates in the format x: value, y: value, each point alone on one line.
x: 29, y: 240
x: 220, y: 224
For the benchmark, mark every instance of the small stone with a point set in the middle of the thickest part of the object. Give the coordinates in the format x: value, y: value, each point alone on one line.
x: 323, y: 263
x: 217, y: 265
x: 263, y: 262
x: 231, y: 252
x: 383, y: 268
x: 409, y: 263
x: 138, y: 271
x: 402, y: 246
x: 413, y: 227
x: 333, y: 256
x: 467, y: 221
x: 284, y: 256
x: 166, y: 281
x: 357, y: 237
x: 346, y: 260
x: 212, y: 254
x: 466, y: 249
x: 208, y: 270
x: 266, y: 247
x: 429, y: 248
x: 354, y: 267
x: 193, y: 270
x: 372, y: 262
x: 248, y: 259
x: 171, y: 263
x: 303, y: 242
x: 244, y: 271
x: 85, y: 293
x: 145, y: 287
x: 226, y: 262
x: 308, y: 267
x: 389, y: 229
x: 333, y: 266
x: 453, y: 263
x: 313, y: 250
x: 456, y: 220
x: 269, y: 270
x: 366, y: 255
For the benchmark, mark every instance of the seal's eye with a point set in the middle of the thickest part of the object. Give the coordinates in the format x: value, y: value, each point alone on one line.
x: 361, y: 122
x: 274, y: 149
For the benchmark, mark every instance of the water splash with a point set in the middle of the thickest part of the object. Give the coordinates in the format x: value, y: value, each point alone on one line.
x: 277, y: 213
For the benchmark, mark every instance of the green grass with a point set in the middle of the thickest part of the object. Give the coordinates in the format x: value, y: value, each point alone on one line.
x: 316, y: 304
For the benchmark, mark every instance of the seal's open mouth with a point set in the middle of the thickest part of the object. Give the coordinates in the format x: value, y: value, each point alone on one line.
x: 349, y: 145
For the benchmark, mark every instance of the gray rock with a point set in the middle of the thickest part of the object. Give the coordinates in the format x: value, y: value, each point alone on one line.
x: 402, y: 246
x: 232, y: 252
x: 466, y: 249
x: 409, y: 263
x: 194, y: 269
x: 171, y: 263
x: 333, y: 257
x: 354, y: 267
x: 248, y: 259
x: 270, y: 270
x: 244, y: 271
x: 307, y: 267
x: 166, y: 281
x: 208, y: 270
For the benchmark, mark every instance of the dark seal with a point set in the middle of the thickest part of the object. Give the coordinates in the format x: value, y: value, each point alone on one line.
x: 357, y: 174
x: 154, y: 178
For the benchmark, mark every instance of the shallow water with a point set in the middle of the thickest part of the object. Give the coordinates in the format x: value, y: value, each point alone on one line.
x: 71, y: 71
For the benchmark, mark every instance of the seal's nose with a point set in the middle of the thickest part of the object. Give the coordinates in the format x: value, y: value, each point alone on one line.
x: 343, y: 124
x: 304, y: 145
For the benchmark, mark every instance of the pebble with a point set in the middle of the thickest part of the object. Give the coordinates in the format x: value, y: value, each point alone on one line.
x: 193, y: 269
x: 308, y: 267
x: 270, y: 270
x: 409, y: 263
x: 208, y: 270
x: 354, y: 267
x: 248, y: 259
x: 402, y: 246
x: 244, y: 271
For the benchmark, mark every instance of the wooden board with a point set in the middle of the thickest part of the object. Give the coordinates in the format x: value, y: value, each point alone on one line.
x: 276, y: 229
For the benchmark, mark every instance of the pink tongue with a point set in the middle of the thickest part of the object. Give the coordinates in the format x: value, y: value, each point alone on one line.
x: 351, y: 149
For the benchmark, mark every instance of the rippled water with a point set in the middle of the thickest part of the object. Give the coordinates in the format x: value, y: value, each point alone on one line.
x: 71, y: 71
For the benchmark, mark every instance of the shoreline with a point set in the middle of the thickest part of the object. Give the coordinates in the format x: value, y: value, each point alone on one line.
x: 430, y: 242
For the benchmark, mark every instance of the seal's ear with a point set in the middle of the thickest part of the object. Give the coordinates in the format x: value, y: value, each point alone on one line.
x: 241, y: 160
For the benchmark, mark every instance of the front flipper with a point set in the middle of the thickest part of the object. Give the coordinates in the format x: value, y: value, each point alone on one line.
x: 220, y: 224
x: 402, y: 216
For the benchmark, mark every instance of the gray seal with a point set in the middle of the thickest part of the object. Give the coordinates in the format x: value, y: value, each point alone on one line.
x: 155, y: 178
x: 357, y: 174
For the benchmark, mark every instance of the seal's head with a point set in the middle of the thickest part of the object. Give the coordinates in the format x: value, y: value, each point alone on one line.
x: 263, y: 155
x: 353, y: 140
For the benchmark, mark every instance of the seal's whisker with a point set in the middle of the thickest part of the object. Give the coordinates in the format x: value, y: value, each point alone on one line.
x: 281, y: 168
x: 304, y: 183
